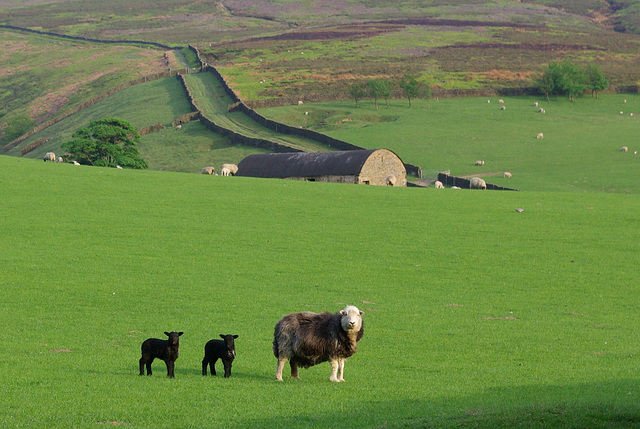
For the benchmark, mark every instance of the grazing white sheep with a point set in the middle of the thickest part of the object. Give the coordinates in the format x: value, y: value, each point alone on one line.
x: 208, y: 170
x: 624, y: 149
x: 501, y: 101
x: 541, y: 110
x: 540, y: 136
x: 477, y: 183
x: 479, y: 163
x: 49, y: 156
x: 624, y: 101
x: 535, y: 104
x: 118, y: 167
x: 300, y: 103
x: 59, y: 159
x: 439, y: 185
x: 229, y: 169
x: 76, y: 163
x: 178, y: 127
x: 621, y: 112
x: 456, y: 187
x: 488, y: 101
x: 502, y: 108
x: 391, y: 180
x: 507, y: 175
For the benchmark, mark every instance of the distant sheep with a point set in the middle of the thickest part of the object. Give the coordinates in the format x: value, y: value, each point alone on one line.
x: 166, y: 350
x: 501, y: 101
x: 541, y: 110
x: 507, y: 175
x: 477, y: 183
x: 456, y: 187
x: 224, y: 349
x: 75, y: 163
x: 391, y: 180
x: 49, y: 156
x: 624, y: 149
x: 535, y: 104
x: 540, y: 136
x: 229, y: 169
x: 208, y: 170
x: 59, y: 159
x: 300, y: 102
x: 306, y: 339
x: 439, y: 185
x: 479, y: 163
x: 118, y: 167
x: 502, y: 108
x: 179, y: 127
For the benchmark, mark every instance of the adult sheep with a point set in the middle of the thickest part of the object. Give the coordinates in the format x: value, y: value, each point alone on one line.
x: 229, y: 169
x: 479, y: 163
x: 477, y: 183
x: 507, y: 175
x: 208, y: 170
x: 306, y: 339
x: 166, y: 350
x: 49, y: 156
x: 624, y: 149
x: 540, y: 136
x: 438, y: 184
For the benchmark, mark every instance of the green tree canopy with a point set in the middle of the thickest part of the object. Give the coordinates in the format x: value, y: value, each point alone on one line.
x: 411, y: 87
x: 106, y: 143
x: 357, y: 91
x: 563, y: 78
x: 379, y: 88
x: 596, y: 80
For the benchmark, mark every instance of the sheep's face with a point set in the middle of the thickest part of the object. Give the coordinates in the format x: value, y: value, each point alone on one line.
x: 351, y: 319
x: 173, y: 337
x: 230, y: 343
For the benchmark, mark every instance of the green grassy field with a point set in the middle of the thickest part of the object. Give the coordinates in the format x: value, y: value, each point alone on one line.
x: 475, y: 315
x: 580, y: 151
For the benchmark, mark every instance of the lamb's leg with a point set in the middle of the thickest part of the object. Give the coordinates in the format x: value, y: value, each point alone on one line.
x: 141, y: 366
x: 170, y: 368
x: 227, y: 368
x: 212, y: 366
x: 149, y: 366
x: 341, y: 369
x: 281, y: 362
x: 204, y: 366
x: 334, y: 370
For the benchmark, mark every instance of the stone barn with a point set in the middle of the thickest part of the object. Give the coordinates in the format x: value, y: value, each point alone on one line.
x: 370, y: 167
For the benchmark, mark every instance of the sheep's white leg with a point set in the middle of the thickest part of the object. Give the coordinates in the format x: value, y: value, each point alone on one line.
x: 281, y: 362
x: 341, y: 369
x: 334, y: 370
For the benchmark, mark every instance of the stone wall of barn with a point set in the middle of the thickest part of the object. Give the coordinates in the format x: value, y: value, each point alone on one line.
x: 380, y: 166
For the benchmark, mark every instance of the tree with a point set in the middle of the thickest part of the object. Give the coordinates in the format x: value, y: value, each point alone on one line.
x: 547, y: 82
x: 410, y: 86
x: 379, y: 88
x: 596, y: 80
x: 573, y: 82
x: 358, y: 91
x: 106, y: 143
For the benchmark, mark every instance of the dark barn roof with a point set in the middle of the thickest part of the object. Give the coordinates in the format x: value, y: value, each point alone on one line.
x: 304, y: 164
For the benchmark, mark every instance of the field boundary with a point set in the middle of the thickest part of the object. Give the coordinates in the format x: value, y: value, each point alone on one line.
x: 464, y: 183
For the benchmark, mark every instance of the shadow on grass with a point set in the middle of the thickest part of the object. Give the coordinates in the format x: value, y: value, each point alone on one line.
x: 593, y: 406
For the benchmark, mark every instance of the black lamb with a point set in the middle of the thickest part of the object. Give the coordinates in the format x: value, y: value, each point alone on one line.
x: 224, y: 349
x: 167, y: 350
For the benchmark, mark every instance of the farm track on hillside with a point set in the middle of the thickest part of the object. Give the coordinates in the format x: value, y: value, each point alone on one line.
x: 213, y: 102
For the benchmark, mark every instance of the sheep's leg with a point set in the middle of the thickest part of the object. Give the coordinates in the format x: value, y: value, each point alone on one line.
x: 334, y: 370
x: 227, y: 368
x: 341, y: 369
x: 204, y: 366
x: 141, y: 366
x: 149, y: 366
x: 170, y: 368
x: 281, y: 362
x: 294, y: 369
x: 212, y: 366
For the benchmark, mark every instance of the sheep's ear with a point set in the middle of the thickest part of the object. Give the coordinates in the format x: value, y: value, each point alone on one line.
x: 180, y: 333
x: 361, y: 312
x: 221, y: 336
x: 235, y: 336
x: 166, y: 333
x: 342, y: 312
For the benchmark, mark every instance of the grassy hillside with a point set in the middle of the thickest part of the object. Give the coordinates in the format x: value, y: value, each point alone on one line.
x: 159, y: 101
x: 475, y: 315
x: 580, y: 151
